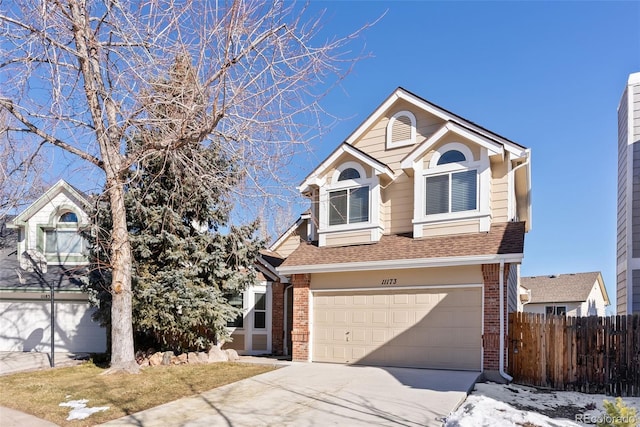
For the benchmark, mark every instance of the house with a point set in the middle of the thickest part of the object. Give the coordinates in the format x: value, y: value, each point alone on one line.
x: 260, y: 329
x: 574, y: 294
x: 409, y: 255
x: 42, y: 249
x: 628, y: 247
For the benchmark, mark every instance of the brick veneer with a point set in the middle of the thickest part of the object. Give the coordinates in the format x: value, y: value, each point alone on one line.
x: 491, y: 336
x: 277, y: 318
x: 300, y: 332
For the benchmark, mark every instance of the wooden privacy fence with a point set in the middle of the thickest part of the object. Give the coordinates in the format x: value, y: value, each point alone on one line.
x: 587, y: 354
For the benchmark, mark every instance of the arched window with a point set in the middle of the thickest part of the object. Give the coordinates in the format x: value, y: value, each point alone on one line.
x: 451, y: 185
x: 349, y: 173
x: 349, y: 195
x: 451, y: 156
x: 68, y: 217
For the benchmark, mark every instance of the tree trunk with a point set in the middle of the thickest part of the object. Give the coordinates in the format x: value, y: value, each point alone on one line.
x: 122, y: 348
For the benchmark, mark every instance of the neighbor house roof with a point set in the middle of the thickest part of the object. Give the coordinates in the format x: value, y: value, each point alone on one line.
x: 503, y: 241
x: 572, y: 287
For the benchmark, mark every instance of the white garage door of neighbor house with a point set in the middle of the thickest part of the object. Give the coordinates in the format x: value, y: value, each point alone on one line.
x: 427, y: 328
x: 26, y: 326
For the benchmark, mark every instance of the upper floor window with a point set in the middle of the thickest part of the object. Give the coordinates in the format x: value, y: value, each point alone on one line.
x: 349, y: 201
x: 451, y: 184
x: 64, y: 239
x: 401, y: 129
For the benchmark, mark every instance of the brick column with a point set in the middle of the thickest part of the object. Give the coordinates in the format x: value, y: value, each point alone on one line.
x: 491, y: 336
x: 277, y: 318
x: 300, y: 332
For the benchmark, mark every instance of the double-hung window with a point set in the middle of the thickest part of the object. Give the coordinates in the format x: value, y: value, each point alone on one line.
x: 64, y: 239
x: 349, y: 205
x: 454, y: 189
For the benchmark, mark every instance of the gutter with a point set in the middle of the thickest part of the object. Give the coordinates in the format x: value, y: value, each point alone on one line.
x: 502, y: 325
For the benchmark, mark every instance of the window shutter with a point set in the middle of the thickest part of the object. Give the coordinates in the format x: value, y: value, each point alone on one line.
x: 463, y: 191
x: 401, y: 130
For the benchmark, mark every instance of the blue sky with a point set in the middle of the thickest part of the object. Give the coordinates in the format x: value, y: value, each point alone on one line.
x: 548, y: 75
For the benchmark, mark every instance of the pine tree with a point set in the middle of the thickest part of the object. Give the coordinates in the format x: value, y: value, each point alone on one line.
x: 187, y: 260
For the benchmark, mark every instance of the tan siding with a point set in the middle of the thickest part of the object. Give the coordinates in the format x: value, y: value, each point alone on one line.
x: 499, y: 191
x: 292, y: 242
x: 237, y: 343
x: 436, y: 276
x: 432, y: 230
x: 399, y: 201
x: 258, y: 342
x: 373, y: 142
x: 348, y: 238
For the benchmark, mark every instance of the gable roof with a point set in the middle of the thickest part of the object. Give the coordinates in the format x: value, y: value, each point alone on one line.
x: 572, y: 287
x: 344, y: 148
x: 57, y: 188
x: 503, y: 241
x: 303, y: 217
x: 446, y: 115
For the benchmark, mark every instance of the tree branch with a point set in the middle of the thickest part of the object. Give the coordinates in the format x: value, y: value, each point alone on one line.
x: 8, y: 105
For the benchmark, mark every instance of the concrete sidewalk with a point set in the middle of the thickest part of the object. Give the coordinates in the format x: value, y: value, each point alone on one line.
x: 12, y: 362
x: 315, y: 394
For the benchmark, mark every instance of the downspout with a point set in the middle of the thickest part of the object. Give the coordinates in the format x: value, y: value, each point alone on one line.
x: 502, y: 326
x: 286, y: 319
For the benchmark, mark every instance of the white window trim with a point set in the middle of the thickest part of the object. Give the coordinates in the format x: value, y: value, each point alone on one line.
x: 248, y: 329
x: 366, y: 179
x: 482, y: 211
x: 389, y: 130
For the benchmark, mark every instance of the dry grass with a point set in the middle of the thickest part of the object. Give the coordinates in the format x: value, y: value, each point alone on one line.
x: 40, y: 393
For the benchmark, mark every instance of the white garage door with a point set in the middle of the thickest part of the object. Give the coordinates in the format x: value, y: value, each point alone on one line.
x: 435, y: 328
x: 26, y: 326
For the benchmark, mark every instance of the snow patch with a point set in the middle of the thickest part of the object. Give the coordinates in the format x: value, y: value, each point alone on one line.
x: 80, y: 410
x: 493, y: 404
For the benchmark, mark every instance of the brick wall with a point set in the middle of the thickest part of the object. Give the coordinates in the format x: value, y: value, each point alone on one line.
x: 277, y: 318
x: 300, y: 332
x: 491, y: 336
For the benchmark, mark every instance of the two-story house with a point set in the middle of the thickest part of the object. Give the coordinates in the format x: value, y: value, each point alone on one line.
x: 409, y: 255
x: 42, y: 249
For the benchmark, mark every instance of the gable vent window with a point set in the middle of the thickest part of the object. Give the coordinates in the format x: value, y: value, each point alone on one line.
x: 401, y: 130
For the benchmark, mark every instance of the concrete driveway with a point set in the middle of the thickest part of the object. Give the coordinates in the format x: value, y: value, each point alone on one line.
x: 313, y: 394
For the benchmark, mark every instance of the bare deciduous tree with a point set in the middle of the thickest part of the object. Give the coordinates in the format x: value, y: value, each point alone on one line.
x: 84, y: 76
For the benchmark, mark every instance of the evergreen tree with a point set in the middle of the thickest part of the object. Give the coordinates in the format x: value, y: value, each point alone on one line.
x: 185, y: 268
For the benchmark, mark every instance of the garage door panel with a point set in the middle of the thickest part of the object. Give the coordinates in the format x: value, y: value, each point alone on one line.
x: 438, y: 328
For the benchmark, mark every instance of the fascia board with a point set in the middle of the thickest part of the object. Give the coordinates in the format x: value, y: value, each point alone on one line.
x: 286, y: 234
x: 400, y: 264
x: 344, y: 148
x: 493, y: 147
x: 20, y: 219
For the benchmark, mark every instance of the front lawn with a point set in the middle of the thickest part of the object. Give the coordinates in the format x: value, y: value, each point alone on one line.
x: 41, y: 392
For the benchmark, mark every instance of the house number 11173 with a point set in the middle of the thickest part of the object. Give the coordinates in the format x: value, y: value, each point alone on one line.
x: 389, y: 281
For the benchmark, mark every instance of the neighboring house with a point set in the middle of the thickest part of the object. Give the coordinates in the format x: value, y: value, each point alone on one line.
x: 410, y: 253
x: 628, y: 249
x: 574, y: 294
x: 260, y: 329
x: 42, y: 248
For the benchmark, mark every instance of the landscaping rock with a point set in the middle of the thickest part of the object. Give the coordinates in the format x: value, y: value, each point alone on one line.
x: 197, y: 358
x: 233, y: 355
x: 155, y: 359
x: 166, y: 358
x: 182, y: 358
x: 217, y: 355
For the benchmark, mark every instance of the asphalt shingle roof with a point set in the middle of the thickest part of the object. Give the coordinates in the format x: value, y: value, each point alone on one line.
x: 503, y: 238
x: 560, y: 288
